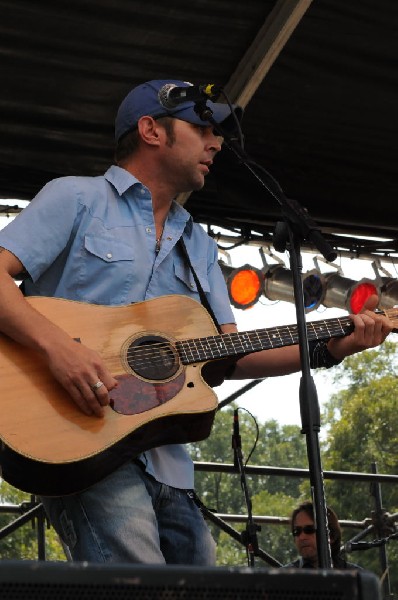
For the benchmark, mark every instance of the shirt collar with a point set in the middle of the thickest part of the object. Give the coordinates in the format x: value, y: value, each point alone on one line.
x: 122, y: 180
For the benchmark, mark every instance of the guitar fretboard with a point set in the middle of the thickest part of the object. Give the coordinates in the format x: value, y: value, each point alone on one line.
x: 234, y: 344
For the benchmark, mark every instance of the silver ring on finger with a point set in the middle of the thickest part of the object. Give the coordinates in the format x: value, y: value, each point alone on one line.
x: 97, y: 385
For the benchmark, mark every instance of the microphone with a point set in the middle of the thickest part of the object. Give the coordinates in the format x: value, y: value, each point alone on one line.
x: 171, y: 95
x: 355, y: 546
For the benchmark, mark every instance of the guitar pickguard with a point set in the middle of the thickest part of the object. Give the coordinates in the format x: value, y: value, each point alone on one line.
x: 134, y: 396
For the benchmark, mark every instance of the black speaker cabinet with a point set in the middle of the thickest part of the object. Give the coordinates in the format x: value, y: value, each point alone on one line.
x: 26, y: 580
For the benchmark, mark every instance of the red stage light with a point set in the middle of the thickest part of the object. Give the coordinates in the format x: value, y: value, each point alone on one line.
x: 360, y: 294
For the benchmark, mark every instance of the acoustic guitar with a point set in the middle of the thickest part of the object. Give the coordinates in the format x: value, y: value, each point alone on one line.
x: 158, y: 350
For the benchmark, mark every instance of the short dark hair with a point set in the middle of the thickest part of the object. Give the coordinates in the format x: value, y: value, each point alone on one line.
x: 128, y: 143
x: 333, y: 524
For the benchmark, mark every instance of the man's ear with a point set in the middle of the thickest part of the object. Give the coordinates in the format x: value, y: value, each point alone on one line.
x: 149, y: 130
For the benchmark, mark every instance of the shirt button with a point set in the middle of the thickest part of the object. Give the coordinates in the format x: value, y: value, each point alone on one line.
x: 109, y: 255
x: 142, y: 191
x: 192, y: 285
x: 148, y: 229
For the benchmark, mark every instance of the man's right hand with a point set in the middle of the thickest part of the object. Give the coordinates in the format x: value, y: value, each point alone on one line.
x: 78, y: 369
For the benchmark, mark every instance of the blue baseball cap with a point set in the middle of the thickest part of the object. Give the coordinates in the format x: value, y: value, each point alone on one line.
x: 144, y: 100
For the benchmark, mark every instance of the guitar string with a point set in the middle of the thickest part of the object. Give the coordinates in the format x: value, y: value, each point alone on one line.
x: 212, y: 344
x: 200, y: 349
x: 333, y: 328
x: 205, y: 346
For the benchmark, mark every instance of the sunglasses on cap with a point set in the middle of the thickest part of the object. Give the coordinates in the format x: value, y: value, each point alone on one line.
x: 308, y: 529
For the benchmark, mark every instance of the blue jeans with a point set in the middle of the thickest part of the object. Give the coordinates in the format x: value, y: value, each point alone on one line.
x: 130, y: 517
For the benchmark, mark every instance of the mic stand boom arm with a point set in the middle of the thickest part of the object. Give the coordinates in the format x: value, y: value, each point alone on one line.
x: 297, y: 226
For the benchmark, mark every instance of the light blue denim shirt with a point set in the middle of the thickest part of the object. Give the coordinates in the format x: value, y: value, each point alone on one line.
x: 93, y: 239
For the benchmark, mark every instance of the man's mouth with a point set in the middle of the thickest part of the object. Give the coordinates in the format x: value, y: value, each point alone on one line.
x: 207, y: 164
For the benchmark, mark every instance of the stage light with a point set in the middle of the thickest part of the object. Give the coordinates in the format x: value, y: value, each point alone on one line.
x: 388, y: 292
x: 245, y: 284
x: 360, y: 293
x: 332, y: 290
x: 345, y: 293
x: 279, y: 286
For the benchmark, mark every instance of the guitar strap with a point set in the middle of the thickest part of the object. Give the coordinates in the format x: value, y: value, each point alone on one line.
x: 202, y: 295
x: 213, y: 373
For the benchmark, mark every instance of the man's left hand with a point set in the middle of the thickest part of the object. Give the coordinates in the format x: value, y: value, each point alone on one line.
x: 371, y: 329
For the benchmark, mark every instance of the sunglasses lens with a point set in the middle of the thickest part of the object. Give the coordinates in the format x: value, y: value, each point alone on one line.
x: 308, y: 529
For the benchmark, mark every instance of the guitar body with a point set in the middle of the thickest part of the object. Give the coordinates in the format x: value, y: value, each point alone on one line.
x: 49, y: 447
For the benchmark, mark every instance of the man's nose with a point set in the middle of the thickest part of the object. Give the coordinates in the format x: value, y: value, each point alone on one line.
x: 215, y: 142
x: 303, y: 533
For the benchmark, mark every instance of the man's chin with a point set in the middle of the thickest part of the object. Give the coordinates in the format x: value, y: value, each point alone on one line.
x: 194, y: 186
x: 307, y: 553
x: 197, y: 185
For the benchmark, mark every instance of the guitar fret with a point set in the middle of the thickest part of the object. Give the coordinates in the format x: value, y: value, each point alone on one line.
x: 258, y: 339
x: 264, y: 338
x: 229, y: 343
x: 256, y: 343
x: 244, y: 344
x: 292, y: 338
x: 220, y: 349
x: 204, y: 347
x: 276, y: 338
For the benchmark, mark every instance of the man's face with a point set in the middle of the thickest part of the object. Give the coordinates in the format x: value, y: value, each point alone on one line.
x: 305, y: 542
x: 191, y: 155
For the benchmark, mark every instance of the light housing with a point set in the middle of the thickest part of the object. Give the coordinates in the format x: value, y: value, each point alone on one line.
x: 345, y: 293
x: 245, y: 285
x: 279, y: 286
x: 388, y: 292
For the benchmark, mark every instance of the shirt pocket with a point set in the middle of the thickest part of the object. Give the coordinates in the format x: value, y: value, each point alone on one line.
x: 184, y: 275
x: 108, y: 249
x: 106, y: 271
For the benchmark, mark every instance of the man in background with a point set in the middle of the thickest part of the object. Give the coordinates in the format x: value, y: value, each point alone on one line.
x: 304, y: 536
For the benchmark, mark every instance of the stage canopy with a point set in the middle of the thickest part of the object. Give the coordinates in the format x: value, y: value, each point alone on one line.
x: 318, y: 81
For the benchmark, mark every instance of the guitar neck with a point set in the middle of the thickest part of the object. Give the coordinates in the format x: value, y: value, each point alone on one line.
x: 238, y: 344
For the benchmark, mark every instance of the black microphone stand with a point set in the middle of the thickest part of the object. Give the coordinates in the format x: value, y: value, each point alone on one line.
x: 249, y: 536
x: 296, y: 227
x: 382, y: 526
x: 231, y: 531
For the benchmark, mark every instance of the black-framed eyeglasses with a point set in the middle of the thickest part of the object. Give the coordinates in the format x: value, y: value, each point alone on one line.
x: 308, y: 529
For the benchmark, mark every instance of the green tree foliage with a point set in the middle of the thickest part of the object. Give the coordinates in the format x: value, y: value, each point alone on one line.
x: 363, y: 430
x: 22, y: 543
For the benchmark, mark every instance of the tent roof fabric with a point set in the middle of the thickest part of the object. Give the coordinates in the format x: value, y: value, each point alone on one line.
x: 320, y: 105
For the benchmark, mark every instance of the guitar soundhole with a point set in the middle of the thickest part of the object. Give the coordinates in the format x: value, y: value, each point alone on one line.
x: 153, y: 357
